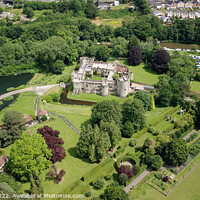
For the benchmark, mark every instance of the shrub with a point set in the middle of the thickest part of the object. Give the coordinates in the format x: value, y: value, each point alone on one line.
x: 44, y: 118
x: 165, y: 179
x: 98, y: 184
x: 88, y: 194
x: 123, y: 178
x: 192, y: 137
x: 198, y: 76
x: 136, y: 169
x: 151, y: 129
x: 120, y: 149
x: 126, y: 170
x: 133, y: 142
x: 60, y: 175
x: 108, y: 177
x: 56, y: 98
x: 174, y: 170
x: 158, y: 175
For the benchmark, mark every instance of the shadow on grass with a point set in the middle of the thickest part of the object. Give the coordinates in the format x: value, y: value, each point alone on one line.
x: 73, y: 152
x: 149, y: 69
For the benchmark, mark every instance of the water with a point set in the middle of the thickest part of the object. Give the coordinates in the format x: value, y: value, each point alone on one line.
x: 12, y: 81
x: 178, y: 45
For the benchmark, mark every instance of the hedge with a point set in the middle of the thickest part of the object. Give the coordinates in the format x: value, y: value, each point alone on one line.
x: 188, y: 131
x: 120, y: 150
x: 97, y: 168
x: 132, y: 159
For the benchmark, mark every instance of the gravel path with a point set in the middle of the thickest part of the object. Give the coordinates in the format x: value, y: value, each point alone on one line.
x: 189, y: 134
x: 40, y: 90
x: 137, y: 180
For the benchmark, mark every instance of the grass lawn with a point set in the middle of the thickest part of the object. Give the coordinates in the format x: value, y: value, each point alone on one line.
x: 74, y: 166
x: 96, y: 97
x: 122, y: 6
x: 195, y: 86
x: 74, y: 113
x: 25, y: 104
x: 113, y: 22
x: 187, y: 190
x: 48, y: 79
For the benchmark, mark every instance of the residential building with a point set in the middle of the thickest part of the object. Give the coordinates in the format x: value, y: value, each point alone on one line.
x: 157, y: 13
x: 198, y: 14
x: 196, y: 4
x: 192, y: 15
x: 177, y: 13
x: 169, y: 13
x: 180, y: 4
x: 3, y: 161
x: 172, y: 5
x: 184, y: 14
x: 188, y: 4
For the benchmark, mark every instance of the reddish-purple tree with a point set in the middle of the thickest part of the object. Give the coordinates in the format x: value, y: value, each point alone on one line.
x: 53, y: 142
x: 165, y: 179
x: 126, y: 170
x: 60, y: 175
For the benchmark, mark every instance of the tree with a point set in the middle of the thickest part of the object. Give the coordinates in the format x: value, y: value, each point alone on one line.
x: 133, y: 111
x: 157, y: 162
x: 53, y: 142
x: 134, y: 41
x: 1, y: 10
x: 103, y: 53
x: 106, y: 111
x: 124, y: 169
x: 113, y: 131
x: 91, y: 10
x: 144, y: 97
x: 123, y: 178
x: 128, y: 129
x: 161, y: 60
x: 197, y: 118
x: 135, y: 56
x: 28, y: 155
x: 14, y: 126
x: 115, y: 193
x: 143, y: 6
x: 28, y: 12
x: 98, y: 184
x: 58, y: 67
x: 176, y: 152
x: 93, y: 143
x: 164, y: 90
x: 7, y: 191
x: 36, y: 186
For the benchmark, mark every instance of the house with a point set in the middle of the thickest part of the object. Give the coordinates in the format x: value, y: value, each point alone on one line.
x: 177, y: 13
x: 102, y: 6
x: 157, y: 13
x: 3, y: 161
x: 28, y: 120
x: 169, y: 13
x: 42, y: 113
x: 116, y: 3
x: 196, y: 4
x: 180, y: 4
x: 157, y: 5
x: 188, y: 4
x: 172, y: 5
x: 185, y: 14
x: 164, y: 19
x: 169, y: 20
x: 192, y: 15
x: 198, y: 14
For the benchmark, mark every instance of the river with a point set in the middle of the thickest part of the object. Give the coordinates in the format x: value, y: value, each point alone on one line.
x: 178, y: 45
x: 12, y: 81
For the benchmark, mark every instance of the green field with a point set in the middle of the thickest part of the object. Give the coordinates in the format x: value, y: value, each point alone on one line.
x: 187, y: 190
x: 25, y: 104
x: 74, y: 113
x: 195, y: 86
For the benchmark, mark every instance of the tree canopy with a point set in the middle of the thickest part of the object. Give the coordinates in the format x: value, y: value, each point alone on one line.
x: 144, y: 97
x: 176, y: 152
x: 28, y: 155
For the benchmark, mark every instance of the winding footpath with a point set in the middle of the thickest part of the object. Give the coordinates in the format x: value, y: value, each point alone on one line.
x: 189, y: 134
x: 40, y: 90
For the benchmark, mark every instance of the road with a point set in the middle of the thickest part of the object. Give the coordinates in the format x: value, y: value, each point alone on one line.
x: 137, y: 180
x: 40, y: 90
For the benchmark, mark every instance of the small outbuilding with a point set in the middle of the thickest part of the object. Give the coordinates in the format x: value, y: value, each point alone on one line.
x: 42, y: 113
x: 28, y: 120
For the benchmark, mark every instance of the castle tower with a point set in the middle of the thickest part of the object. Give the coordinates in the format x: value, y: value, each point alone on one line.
x: 123, y: 85
x: 104, y: 88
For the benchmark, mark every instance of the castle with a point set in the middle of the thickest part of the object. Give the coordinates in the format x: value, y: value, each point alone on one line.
x: 115, y: 78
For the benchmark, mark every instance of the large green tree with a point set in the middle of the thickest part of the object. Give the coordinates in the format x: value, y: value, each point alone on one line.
x: 144, y: 97
x: 115, y: 193
x: 14, y: 126
x: 28, y: 156
x: 133, y: 111
x: 113, y: 131
x: 106, y: 111
x: 93, y: 143
x: 176, y: 152
x: 143, y: 6
x: 157, y: 162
